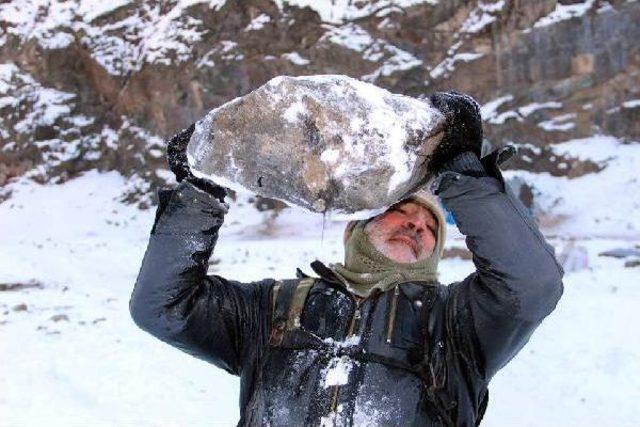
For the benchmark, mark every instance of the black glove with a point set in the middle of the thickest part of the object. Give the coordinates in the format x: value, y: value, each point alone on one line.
x: 463, y: 128
x: 177, y: 157
x: 469, y: 164
x: 466, y: 163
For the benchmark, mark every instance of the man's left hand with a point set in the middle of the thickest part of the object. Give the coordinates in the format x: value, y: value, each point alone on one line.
x: 177, y: 157
x: 463, y: 128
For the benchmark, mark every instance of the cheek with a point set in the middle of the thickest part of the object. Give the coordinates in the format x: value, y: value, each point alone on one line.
x: 428, y: 241
x: 379, y: 233
x: 391, y: 222
x: 384, y: 227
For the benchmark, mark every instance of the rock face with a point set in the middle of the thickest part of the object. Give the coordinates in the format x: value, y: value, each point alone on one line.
x: 326, y: 143
x: 88, y: 85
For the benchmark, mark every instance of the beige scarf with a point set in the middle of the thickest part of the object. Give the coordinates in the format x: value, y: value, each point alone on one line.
x: 365, y: 268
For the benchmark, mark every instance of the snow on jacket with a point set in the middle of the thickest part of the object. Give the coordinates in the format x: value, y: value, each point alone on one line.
x: 416, y: 355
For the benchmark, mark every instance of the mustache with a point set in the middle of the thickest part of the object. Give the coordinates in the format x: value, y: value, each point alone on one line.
x: 409, y: 237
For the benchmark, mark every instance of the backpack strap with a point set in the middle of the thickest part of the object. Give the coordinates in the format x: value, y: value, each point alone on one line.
x: 297, y: 302
x: 282, y: 300
x: 482, y: 408
x: 288, y: 301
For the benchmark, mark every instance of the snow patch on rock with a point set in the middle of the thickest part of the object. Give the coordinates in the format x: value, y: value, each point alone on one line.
x: 529, y: 109
x: 634, y: 103
x: 563, y: 12
x: 482, y: 16
x: 389, y: 57
x: 489, y: 110
x: 92, y: 9
x: 447, y: 66
x: 573, y: 207
x: 295, y: 58
x: 561, y: 123
x: 339, y: 11
x: 258, y: 22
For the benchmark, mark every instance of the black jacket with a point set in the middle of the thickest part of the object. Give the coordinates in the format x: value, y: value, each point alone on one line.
x: 427, y: 364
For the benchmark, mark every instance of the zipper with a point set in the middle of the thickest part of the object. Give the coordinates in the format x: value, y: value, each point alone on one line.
x: 392, y: 314
x: 353, y: 324
x: 334, y: 399
x: 355, y: 320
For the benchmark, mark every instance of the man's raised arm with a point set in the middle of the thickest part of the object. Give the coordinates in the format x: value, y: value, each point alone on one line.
x: 209, y: 317
x: 517, y: 282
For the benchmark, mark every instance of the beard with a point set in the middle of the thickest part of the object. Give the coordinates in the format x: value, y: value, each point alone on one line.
x: 399, y: 244
x: 409, y: 239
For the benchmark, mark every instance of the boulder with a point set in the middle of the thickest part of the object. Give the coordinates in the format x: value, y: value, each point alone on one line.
x: 327, y: 143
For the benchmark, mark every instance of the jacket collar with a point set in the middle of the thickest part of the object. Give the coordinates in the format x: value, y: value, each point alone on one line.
x: 325, y: 272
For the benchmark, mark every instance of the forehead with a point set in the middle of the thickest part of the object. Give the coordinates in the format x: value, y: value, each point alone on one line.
x: 413, y: 206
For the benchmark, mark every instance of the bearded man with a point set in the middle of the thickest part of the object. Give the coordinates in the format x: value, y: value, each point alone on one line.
x: 376, y: 340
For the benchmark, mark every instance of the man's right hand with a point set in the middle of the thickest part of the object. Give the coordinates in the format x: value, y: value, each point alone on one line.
x: 177, y: 157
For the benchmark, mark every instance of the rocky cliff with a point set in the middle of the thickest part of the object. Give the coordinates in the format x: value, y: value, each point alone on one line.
x: 90, y: 84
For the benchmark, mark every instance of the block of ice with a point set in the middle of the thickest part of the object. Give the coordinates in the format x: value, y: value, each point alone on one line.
x: 327, y: 143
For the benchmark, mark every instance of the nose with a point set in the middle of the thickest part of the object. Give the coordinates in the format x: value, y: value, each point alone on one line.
x: 415, y: 222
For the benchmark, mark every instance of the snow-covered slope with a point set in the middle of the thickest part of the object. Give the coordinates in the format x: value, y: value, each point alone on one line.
x: 71, y: 355
x: 598, y: 204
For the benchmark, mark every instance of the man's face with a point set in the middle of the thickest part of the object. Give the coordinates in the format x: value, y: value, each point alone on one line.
x: 405, y: 233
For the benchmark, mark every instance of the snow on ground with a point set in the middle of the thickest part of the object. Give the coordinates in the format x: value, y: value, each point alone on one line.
x: 606, y: 204
x: 71, y: 355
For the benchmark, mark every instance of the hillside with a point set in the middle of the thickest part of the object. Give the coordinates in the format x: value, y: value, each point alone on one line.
x: 90, y: 84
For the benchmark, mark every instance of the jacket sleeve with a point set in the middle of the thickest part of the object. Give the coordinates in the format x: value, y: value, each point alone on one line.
x: 517, y: 282
x: 209, y: 317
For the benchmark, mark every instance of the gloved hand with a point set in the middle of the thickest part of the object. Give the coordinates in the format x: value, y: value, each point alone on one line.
x: 463, y: 128
x: 466, y: 163
x: 469, y: 164
x: 177, y: 157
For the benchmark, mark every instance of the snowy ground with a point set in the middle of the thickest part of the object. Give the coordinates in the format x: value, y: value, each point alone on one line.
x: 70, y: 354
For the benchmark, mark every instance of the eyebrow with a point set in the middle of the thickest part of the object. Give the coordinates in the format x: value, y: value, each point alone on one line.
x: 429, y: 213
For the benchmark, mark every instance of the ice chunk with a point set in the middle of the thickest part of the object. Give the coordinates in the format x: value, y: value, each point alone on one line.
x: 325, y: 143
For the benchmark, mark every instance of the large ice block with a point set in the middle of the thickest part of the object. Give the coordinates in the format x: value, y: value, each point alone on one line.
x: 328, y: 143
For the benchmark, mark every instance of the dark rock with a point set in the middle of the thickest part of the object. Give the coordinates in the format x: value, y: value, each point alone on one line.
x: 621, y: 252
x: 20, y: 307
x: 632, y: 263
x: 20, y: 286
x: 462, y: 253
x: 59, y: 317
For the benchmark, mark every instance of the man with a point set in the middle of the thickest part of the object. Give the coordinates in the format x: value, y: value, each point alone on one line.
x: 376, y: 340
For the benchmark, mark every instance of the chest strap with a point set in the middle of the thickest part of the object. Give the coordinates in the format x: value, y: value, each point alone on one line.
x: 288, y: 298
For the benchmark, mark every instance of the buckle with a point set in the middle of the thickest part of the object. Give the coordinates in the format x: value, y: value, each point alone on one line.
x: 505, y: 154
x: 277, y: 333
